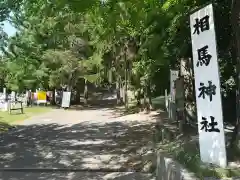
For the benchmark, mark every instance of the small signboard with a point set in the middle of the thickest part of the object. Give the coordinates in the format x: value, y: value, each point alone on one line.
x: 66, y: 99
x: 207, y: 87
x: 41, y: 97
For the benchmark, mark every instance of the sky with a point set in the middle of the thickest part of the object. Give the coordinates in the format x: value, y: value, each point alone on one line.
x: 9, y: 29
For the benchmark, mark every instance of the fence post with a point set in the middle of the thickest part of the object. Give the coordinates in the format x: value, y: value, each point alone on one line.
x: 166, y: 99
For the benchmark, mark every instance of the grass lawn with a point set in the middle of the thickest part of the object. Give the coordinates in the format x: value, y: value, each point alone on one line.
x: 16, y: 117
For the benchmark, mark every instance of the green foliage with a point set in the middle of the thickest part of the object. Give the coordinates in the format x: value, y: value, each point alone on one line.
x: 61, y: 42
x: 3, y: 38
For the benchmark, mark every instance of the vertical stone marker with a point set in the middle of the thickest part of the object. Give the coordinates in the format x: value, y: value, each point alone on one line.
x: 172, y: 108
x: 173, y: 78
x: 207, y: 87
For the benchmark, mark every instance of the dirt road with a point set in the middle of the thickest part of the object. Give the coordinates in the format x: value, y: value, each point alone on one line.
x: 100, y: 140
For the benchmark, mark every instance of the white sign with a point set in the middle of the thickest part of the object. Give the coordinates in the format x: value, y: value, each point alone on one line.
x: 173, y: 77
x: 13, y: 96
x: 207, y: 87
x: 66, y: 99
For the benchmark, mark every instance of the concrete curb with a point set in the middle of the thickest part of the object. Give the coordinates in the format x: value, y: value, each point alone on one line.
x: 168, y: 169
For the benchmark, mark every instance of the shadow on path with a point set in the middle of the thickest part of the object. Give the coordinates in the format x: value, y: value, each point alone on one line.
x: 114, y: 146
x: 74, y: 176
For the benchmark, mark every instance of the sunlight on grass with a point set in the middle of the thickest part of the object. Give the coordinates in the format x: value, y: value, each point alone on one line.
x: 15, y: 117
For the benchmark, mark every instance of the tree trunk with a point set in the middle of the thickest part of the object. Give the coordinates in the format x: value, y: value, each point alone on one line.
x: 126, y: 80
x: 236, y: 31
x: 138, y: 97
x: 118, y: 86
x: 78, y: 96
x: 70, y: 84
x: 86, y: 92
x: 125, y: 89
x: 149, y: 100
x: 79, y: 84
x: 53, y: 102
x: 149, y: 96
x: 121, y: 91
x: 145, y: 99
x: 118, y: 93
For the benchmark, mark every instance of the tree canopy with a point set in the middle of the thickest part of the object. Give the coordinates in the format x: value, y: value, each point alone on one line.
x: 128, y: 43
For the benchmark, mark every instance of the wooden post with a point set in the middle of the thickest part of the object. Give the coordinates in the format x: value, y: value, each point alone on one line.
x: 180, y: 102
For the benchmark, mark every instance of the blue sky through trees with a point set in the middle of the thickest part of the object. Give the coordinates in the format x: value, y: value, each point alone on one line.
x: 9, y: 29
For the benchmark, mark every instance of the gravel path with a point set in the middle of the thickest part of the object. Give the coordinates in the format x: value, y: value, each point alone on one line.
x: 69, y: 140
